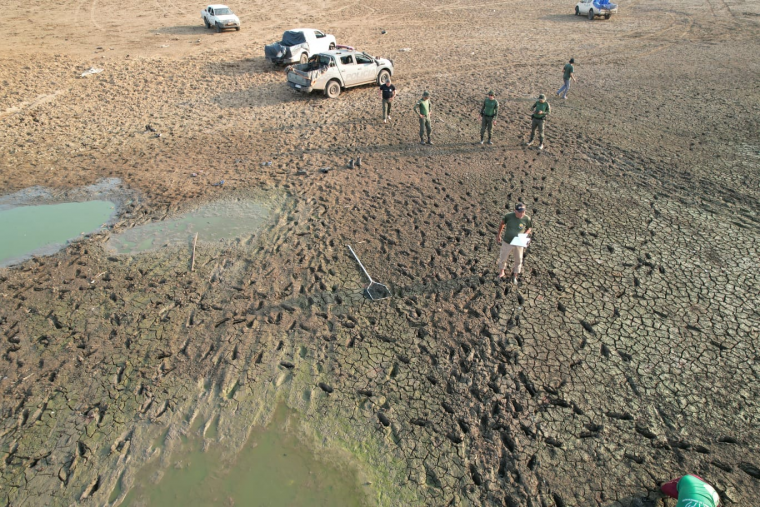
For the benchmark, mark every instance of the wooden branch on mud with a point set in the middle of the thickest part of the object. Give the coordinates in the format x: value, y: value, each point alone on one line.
x: 192, y: 261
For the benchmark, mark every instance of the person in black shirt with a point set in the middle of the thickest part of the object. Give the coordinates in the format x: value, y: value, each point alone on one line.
x: 387, y: 92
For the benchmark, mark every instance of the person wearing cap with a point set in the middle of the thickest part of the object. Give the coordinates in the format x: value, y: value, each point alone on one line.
x: 513, y: 223
x: 691, y: 491
x: 387, y: 92
x: 487, y: 113
x: 567, y: 75
x: 422, y: 108
x: 541, y: 110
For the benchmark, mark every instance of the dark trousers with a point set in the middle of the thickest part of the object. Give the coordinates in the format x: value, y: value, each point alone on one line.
x: 386, y: 108
x: 487, y: 123
x: 538, y: 123
x: 425, y: 126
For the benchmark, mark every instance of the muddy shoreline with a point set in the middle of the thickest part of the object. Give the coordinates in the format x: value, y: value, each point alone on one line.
x: 625, y: 357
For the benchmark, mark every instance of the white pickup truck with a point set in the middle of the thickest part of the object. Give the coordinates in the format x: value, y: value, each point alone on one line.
x: 332, y: 71
x: 593, y: 8
x: 220, y: 17
x: 298, y: 45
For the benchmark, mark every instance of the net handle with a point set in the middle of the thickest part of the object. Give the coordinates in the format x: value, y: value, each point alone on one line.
x: 371, y: 281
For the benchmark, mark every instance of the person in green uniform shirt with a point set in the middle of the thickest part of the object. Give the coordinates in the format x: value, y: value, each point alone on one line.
x: 487, y: 114
x: 568, y: 73
x: 422, y: 108
x: 541, y: 110
x: 691, y: 491
x: 512, y: 224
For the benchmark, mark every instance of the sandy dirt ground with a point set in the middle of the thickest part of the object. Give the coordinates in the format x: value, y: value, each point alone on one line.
x: 627, y: 355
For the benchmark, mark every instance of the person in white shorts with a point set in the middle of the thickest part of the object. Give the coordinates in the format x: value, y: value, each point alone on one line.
x: 513, y: 223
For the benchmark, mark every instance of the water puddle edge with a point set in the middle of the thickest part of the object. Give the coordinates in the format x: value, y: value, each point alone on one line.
x: 274, y: 468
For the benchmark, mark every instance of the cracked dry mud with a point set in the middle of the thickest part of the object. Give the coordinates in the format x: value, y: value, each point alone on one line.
x: 626, y: 356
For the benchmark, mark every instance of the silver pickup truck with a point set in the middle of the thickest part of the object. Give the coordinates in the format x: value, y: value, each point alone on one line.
x: 332, y: 71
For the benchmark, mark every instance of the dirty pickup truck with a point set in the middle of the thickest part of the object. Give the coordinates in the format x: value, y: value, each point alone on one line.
x: 333, y: 71
x: 298, y: 45
x: 220, y: 17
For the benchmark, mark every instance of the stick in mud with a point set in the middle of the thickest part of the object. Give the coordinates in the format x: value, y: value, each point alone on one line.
x: 192, y: 260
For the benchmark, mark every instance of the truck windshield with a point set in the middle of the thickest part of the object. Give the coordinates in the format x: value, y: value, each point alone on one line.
x: 222, y: 12
x: 363, y: 58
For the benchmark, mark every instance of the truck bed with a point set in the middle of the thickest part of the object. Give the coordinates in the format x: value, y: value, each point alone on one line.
x: 304, y: 73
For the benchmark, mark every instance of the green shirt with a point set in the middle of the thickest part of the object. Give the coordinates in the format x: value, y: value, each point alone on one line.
x: 694, y: 493
x: 539, y: 107
x: 514, y: 226
x: 568, y: 70
x: 422, y: 107
x: 490, y: 108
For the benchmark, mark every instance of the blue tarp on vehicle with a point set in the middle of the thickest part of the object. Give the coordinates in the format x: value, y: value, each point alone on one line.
x: 280, y: 50
x: 604, y: 4
x: 291, y: 38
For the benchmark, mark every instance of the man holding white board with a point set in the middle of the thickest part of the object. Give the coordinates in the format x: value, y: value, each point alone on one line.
x: 513, y: 236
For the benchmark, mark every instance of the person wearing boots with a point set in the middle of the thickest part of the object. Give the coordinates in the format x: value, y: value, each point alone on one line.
x: 422, y: 108
x: 487, y: 114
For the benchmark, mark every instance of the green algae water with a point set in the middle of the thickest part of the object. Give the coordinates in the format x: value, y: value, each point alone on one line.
x: 213, y: 222
x: 274, y: 469
x: 44, y: 229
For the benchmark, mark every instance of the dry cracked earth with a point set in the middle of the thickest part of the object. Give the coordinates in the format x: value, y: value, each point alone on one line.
x: 627, y: 355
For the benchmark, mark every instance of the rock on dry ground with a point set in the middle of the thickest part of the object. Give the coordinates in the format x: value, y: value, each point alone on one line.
x: 627, y: 355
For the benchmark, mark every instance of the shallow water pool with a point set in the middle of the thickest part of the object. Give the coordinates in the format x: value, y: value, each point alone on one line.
x: 213, y: 222
x: 45, y: 229
x: 273, y: 469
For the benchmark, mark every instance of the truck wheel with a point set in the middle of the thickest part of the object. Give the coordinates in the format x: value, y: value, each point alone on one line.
x: 208, y: 25
x: 304, y: 58
x: 237, y: 28
x: 218, y: 28
x: 332, y: 90
x: 332, y: 46
x: 383, y: 76
x: 577, y: 11
x: 591, y: 14
x: 606, y: 16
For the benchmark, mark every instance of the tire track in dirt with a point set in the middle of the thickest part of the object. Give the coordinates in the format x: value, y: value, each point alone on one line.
x: 719, y: 8
x: 78, y: 9
x: 93, y: 7
x: 159, y: 4
x: 25, y: 106
x: 486, y: 393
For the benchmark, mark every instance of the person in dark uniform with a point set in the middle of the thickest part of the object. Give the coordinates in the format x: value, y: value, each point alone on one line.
x: 541, y: 110
x: 387, y: 92
x: 487, y: 114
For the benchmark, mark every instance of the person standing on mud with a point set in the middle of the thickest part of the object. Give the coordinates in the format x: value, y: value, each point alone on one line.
x: 541, y: 110
x: 387, y: 92
x: 422, y: 108
x: 487, y: 114
x: 513, y: 223
x: 567, y: 75
x: 691, y: 491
